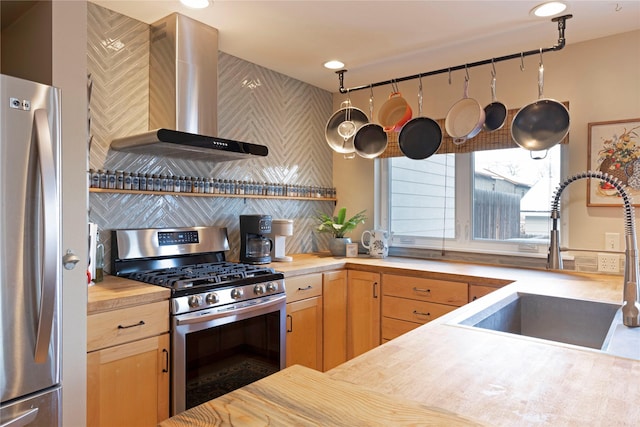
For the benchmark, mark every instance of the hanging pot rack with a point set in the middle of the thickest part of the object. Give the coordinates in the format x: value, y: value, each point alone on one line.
x: 561, y: 20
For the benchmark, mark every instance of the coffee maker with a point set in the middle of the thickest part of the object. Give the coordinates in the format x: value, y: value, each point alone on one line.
x: 255, y: 247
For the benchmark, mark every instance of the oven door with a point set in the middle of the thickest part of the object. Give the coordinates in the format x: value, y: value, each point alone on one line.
x: 215, y: 351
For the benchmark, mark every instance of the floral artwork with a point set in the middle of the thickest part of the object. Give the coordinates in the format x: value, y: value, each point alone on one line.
x: 614, y: 148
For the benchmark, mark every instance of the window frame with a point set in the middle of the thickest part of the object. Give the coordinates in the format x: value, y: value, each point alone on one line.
x: 463, y: 240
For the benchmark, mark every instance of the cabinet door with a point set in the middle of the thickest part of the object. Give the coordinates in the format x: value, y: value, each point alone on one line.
x: 363, y: 312
x: 128, y: 385
x: 334, y: 313
x: 304, y: 333
x: 477, y: 291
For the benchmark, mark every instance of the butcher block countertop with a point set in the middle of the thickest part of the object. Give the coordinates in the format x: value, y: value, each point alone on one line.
x: 446, y: 374
x: 299, y: 396
x: 115, y: 292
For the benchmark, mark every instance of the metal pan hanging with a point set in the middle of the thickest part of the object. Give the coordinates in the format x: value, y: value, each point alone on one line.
x: 542, y: 124
x: 495, y: 114
x: 420, y: 137
x: 370, y: 140
x: 336, y: 125
x: 465, y: 118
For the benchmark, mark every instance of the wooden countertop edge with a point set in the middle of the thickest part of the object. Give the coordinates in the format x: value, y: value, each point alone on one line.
x: 117, y: 292
x: 486, y: 274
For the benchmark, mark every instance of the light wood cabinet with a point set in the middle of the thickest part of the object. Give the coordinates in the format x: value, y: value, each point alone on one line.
x: 478, y: 291
x: 304, y: 321
x: 128, y: 366
x: 409, y: 302
x: 334, y: 313
x: 363, y: 312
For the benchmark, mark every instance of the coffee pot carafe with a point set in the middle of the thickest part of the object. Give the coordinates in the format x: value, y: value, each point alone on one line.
x: 255, y: 246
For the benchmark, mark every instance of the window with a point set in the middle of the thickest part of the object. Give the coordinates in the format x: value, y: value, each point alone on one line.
x: 495, y: 200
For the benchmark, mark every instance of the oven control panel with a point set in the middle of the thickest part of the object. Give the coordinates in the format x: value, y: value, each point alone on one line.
x: 220, y: 297
x: 177, y: 237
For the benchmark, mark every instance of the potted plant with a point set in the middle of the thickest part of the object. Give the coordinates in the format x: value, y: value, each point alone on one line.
x: 338, y: 226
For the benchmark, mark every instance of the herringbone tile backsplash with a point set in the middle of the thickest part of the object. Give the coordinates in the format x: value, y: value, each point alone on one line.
x: 255, y: 105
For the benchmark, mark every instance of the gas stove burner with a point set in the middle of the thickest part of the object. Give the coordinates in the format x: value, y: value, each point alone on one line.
x: 194, y: 275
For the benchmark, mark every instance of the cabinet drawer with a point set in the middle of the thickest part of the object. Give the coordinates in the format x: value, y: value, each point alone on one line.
x: 128, y: 324
x: 441, y: 291
x: 301, y: 287
x: 393, y: 328
x: 412, y: 310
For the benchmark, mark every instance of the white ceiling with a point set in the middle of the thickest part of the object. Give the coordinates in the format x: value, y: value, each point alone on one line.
x: 382, y: 40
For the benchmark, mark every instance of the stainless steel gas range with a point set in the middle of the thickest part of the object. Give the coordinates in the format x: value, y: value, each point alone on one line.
x: 227, y: 319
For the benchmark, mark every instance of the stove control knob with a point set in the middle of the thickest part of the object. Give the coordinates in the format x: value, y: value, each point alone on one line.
x: 272, y: 287
x: 195, y: 301
x: 237, y: 293
x: 212, y: 298
x: 258, y: 289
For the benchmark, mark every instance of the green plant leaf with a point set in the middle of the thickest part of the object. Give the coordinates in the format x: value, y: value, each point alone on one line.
x: 337, y: 225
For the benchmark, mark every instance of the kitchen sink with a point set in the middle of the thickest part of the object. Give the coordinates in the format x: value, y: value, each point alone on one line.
x: 590, y: 324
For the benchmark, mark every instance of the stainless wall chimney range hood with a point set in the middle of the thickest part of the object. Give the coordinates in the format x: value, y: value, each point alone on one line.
x: 183, y: 97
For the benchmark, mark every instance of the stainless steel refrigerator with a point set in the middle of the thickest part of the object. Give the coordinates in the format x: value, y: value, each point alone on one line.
x: 30, y: 275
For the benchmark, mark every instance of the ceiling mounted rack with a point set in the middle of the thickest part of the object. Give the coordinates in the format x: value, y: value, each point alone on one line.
x: 561, y: 20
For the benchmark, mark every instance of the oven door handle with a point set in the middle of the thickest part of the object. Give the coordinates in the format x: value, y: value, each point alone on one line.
x: 197, y: 317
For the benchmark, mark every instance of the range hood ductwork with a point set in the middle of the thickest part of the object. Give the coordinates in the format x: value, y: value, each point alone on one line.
x: 183, y: 97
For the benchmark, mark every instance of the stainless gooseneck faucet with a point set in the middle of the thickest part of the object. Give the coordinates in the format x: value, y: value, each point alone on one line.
x: 630, y: 296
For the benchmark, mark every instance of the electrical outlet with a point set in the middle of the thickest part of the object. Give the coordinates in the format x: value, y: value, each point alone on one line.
x: 608, y: 263
x: 611, y: 241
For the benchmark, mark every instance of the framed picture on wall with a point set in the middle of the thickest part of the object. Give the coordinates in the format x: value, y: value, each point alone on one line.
x: 614, y: 148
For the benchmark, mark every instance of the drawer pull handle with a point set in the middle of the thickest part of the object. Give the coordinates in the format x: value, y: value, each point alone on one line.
x: 305, y: 289
x: 166, y: 360
x: 418, y: 313
x: 426, y: 291
x: 290, y: 319
x: 140, y: 323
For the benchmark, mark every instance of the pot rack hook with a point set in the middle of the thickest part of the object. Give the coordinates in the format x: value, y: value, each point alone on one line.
x: 493, y: 69
x: 371, y: 101
x: 541, y: 64
x: 521, y: 61
x: 449, y: 76
x: 466, y: 70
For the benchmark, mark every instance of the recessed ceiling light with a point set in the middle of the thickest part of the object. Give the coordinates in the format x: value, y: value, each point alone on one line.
x: 549, y: 9
x: 195, y: 4
x: 333, y: 64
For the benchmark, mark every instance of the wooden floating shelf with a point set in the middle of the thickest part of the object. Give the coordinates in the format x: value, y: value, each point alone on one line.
x: 240, y: 196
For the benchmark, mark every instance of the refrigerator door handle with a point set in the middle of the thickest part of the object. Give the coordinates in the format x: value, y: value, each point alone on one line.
x: 23, y: 419
x: 48, y: 273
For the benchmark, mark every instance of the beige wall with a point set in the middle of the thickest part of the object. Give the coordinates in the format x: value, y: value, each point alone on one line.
x: 29, y: 33
x: 599, y: 78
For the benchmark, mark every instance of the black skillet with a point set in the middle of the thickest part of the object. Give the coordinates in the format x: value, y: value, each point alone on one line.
x: 420, y: 137
x: 495, y: 114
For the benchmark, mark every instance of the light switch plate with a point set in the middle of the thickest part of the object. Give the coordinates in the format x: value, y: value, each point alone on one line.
x: 611, y: 241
